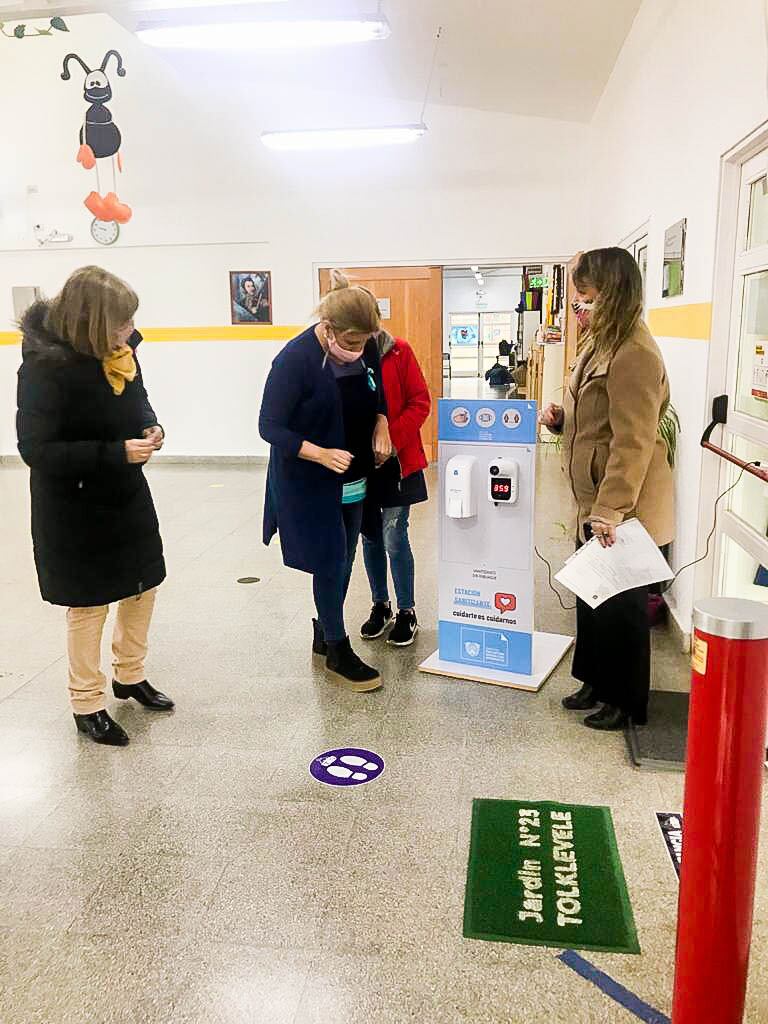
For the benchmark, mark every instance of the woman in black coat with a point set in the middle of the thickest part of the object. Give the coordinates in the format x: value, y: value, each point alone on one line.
x: 86, y: 429
x: 324, y: 415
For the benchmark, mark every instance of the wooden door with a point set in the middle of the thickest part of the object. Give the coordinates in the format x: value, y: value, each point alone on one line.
x: 413, y: 297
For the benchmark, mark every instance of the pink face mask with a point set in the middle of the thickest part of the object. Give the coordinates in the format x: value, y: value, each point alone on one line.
x: 339, y: 354
x: 583, y: 311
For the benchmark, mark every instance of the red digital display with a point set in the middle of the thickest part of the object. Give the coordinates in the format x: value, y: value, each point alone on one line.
x: 501, y: 488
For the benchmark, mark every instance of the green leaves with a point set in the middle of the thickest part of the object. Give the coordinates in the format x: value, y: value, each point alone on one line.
x: 669, y: 429
x: 22, y: 32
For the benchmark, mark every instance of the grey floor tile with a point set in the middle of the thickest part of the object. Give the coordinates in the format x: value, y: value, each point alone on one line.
x: 89, y: 819
x: 23, y: 954
x: 22, y: 806
x: 423, y: 731
x: 47, y: 889
x: 268, y: 907
x: 296, y: 837
x: 144, y: 897
x: 225, y: 984
x: 757, y: 989
x: 406, y: 849
x: 109, y: 980
x: 398, y: 988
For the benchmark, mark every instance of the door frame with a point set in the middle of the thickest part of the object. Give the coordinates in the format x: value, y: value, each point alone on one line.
x: 721, y: 357
x: 444, y: 263
x: 632, y: 243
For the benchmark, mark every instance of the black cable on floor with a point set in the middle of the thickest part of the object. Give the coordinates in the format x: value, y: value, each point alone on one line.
x: 705, y: 556
x: 725, y: 493
x: 565, y: 607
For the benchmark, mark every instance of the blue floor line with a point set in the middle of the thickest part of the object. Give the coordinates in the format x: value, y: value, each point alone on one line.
x: 612, y: 989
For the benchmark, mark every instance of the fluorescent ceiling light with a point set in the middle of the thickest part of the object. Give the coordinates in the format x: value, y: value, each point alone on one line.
x: 344, y: 138
x: 264, y: 35
x: 155, y: 6
x: 474, y: 269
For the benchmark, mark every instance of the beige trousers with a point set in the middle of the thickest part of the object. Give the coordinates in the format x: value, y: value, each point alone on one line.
x: 85, y: 627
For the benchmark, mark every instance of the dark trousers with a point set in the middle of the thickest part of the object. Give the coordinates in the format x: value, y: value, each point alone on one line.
x: 330, y: 589
x: 613, y: 650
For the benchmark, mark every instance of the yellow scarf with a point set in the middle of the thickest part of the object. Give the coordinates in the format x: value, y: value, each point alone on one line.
x: 120, y: 368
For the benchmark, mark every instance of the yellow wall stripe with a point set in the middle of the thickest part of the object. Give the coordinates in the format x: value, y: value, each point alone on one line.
x: 693, y: 321
x: 236, y: 332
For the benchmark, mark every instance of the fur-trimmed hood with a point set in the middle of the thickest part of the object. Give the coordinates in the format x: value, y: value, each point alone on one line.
x: 39, y: 342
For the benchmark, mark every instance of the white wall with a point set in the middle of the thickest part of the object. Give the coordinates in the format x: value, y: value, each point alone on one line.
x: 689, y: 83
x: 479, y: 186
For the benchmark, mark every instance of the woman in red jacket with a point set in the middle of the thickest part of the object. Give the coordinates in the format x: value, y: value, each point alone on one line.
x: 400, y: 483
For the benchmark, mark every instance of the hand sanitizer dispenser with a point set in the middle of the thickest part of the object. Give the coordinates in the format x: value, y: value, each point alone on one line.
x: 459, y: 491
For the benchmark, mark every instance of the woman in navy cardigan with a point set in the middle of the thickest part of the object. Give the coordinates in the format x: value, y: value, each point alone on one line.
x: 324, y: 415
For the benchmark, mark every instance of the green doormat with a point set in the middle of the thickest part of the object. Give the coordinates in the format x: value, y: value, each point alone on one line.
x: 546, y: 874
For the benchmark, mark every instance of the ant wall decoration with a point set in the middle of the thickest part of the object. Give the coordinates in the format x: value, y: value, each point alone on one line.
x: 100, y: 140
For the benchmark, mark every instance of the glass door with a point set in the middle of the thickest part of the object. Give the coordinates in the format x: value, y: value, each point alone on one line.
x: 742, y: 532
x: 464, y: 344
x: 495, y: 328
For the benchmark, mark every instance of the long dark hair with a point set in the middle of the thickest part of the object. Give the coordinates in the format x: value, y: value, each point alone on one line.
x: 619, y: 306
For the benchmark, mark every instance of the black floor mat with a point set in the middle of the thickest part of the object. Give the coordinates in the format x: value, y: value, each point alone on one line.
x: 660, y: 745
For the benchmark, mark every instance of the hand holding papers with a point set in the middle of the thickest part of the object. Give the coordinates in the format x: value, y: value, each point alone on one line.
x: 596, y: 574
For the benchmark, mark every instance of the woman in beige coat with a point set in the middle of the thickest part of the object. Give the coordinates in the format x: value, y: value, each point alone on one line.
x: 618, y: 470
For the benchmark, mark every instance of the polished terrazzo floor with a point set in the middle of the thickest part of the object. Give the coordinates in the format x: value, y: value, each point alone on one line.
x: 201, y: 876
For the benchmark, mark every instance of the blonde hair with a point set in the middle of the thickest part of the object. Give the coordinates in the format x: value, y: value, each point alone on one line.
x: 90, y: 309
x: 349, y: 307
x: 616, y: 277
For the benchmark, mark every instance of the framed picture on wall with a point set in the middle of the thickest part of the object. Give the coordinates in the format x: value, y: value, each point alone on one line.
x: 674, y: 260
x: 251, y: 296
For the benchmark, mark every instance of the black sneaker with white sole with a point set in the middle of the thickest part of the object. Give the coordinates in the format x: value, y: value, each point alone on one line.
x: 405, y: 629
x: 378, y: 620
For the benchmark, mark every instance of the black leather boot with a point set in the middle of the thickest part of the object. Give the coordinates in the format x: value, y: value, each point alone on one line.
x: 319, y: 646
x: 145, y: 694
x: 350, y: 671
x: 608, y: 719
x: 582, y: 700
x: 102, y: 729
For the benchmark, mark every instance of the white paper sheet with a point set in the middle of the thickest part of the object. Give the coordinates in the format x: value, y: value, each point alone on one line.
x: 596, y: 574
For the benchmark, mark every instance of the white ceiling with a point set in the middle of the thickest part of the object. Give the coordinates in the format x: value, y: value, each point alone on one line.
x: 550, y: 59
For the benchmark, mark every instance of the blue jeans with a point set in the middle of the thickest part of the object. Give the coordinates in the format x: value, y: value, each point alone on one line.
x: 395, y: 544
x: 330, y: 589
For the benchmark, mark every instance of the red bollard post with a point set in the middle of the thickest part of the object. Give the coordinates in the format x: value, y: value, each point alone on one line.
x: 721, y: 815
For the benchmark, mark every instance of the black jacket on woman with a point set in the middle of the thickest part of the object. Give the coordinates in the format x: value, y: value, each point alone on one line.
x: 94, y: 527
x: 303, y: 499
